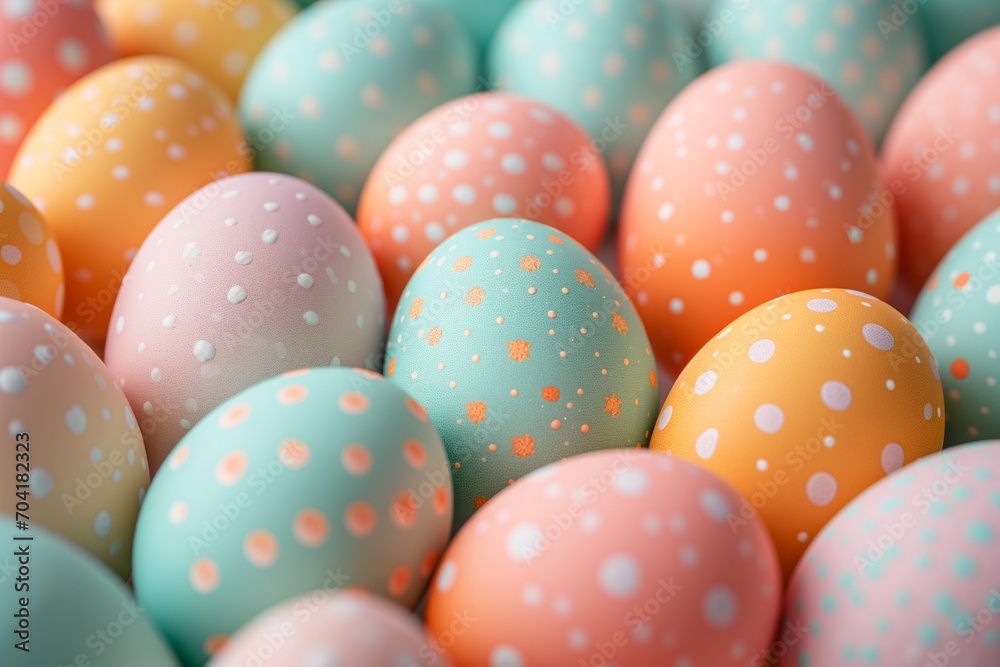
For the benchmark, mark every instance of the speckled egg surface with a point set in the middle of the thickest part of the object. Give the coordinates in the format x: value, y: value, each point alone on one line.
x: 318, y: 479
x: 249, y: 277
x: 220, y: 39
x: 940, y: 157
x: 78, y: 613
x: 870, y: 59
x: 72, y: 436
x: 618, y: 558
x: 479, y: 157
x: 756, y: 181
x: 801, y: 404
x: 334, y: 87
x: 323, y: 628
x: 525, y: 350
x: 31, y: 267
x: 607, y: 65
x: 47, y: 45
x: 907, y: 574
x: 958, y: 313
x: 110, y: 158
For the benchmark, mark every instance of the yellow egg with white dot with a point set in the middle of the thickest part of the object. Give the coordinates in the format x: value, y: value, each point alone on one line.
x: 30, y: 264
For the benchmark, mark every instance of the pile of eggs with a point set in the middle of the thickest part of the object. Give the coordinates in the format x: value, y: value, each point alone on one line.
x: 524, y: 333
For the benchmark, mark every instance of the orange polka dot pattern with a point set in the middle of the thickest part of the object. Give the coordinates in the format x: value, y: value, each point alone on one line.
x: 30, y: 263
x: 267, y: 498
x: 803, y: 403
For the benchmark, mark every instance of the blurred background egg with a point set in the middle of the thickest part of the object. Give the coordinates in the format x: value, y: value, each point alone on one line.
x: 477, y: 158
x: 110, y: 157
x: 609, y: 66
x: 78, y: 612
x: 948, y: 23
x: 481, y: 19
x: 958, y: 313
x: 30, y: 264
x: 220, y: 39
x: 341, y: 80
x: 525, y: 350
x: 46, y: 46
x: 801, y: 404
x: 907, y: 573
x: 248, y: 277
x: 320, y: 628
x: 318, y: 479
x: 753, y: 183
x: 621, y: 558
x: 869, y: 51
x: 87, y: 469
x: 940, y: 158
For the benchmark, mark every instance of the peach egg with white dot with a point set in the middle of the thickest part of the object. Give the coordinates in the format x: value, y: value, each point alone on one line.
x: 336, y: 628
x: 75, y: 450
x: 304, y: 484
x: 30, y: 263
x: 335, y: 86
x: 610, y: 558
x: 110, y: 158
x: 801, y: 404
x: 484, y: 156
x: 751, y: 185
x: 248, y: 277
x: 941, y: 159
x: 525, y: 350
x: 46, y: 46
x: 220, y: 39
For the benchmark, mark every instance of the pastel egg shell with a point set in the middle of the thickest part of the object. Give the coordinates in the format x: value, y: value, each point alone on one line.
x: 855, y: 46
x: 958, y: 313
x: 110, y: 157
x: 257, y: 266
x: 607, y: 65
x: 525, y: 350
x: 948, y: 24
x: 220, y: 39
x: 620, y: 556
x: 479, y: 157
x: 801, y: 404
x: 318, y: 479
x: 350, y: 628
x: 31, y: 267
x: 939, y: 161
x: 324, y: 99
x: 907, y: 573
x: 87, y: 469
x: 78, y: 612
x: 46, y: 47
x: 756, y: 181
x: 481, y: 19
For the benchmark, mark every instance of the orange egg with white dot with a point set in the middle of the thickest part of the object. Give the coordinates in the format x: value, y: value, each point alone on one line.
x: 110, y: 157
x: 30, y: 264
x: 803, y: 403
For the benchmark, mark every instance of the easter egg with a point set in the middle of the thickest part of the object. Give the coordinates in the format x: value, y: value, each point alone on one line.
x: 801, y: 404
x: 31, y: 267
x: 318, y: 479
x: 74, y: 611
x: 607, y: 65
x: 940, y: 157
x: 481, y: 19
x: 47, y: 45
x: 110, y: 157
x: 525, y: 350
x: 907, y: 573
x: 755, y: 182
x: 620, y: 558
x: 249, y: 277
x: 319, y: 628
x: 74, y: 448
x: 948, y: 23
x: 336, y: 85
x: 871, y: 57
x: 221, y: 38
x: 958, y: 313
x: 480, y: 157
